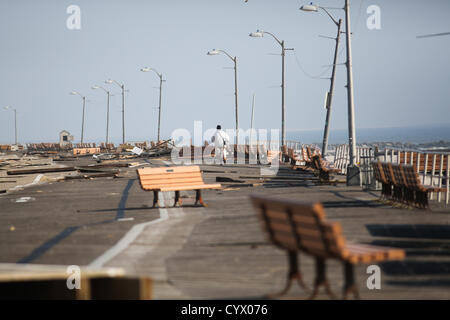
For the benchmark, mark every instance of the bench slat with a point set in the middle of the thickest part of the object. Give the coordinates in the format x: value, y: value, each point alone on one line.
x: 191, y: 187
x: 170, y: 175
x: 168, y: 170
x: 171, y: 181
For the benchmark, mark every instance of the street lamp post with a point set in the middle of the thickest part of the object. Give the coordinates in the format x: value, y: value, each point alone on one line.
x: 351, y: 105
x: 161, y: 80
x: 234, y: 59
x: 333, y: 74
x: 260, y: 34
x: 108, y: 93
x: 15, y: 122
x: 352, y: 170
x: 122, y: 87
x: 82, y: 118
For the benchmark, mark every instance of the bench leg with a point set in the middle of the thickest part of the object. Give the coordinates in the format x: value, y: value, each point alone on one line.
x: 422, y: 199
x: 198, y: 198
x: 177, y: 199
x: 293, y: 274
x: 350, y: 284
x: 321, y: 280
x: 324, y: 176
x: 155, y: 199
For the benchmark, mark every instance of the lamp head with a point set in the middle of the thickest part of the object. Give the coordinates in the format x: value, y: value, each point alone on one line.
x: 109, y: 81
x: 95, y: 87
x: 257, y: 34
x: 213, y: 52
x: 146, y: 69
x: 309, y: 7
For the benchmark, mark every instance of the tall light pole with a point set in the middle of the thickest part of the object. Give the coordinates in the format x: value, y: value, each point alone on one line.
x: 260, y: 34
x: 108, y: 93
x: 333, y: 74
x: 122, y: 87
x: 161, y: 80
x: 234, y: 59
x: 353, y: 177
x: 15, y: 122
x: 351, y: 106
x: 252, y: 119
x: 82, y: 118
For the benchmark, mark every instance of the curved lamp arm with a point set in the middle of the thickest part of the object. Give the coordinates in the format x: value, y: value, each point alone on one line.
x: 100, y: 87
x: 229, y: 56
x: 152, y: 69
x: 328, y: 13
x: 77, y: 93
x: 112, y: 80
x: 279, y: 42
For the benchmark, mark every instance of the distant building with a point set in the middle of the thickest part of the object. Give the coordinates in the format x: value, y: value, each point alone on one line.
x: 65, y: 138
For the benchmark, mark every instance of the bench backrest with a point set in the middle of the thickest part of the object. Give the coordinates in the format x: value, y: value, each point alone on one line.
x: 294, y: 226
x: 292, y: 154
x: 377, y: 171
x: 155, y: 178
x: 262, y: 149
x: 398, y: 175
x: 388, y: 172
x: 305, y: 155
x: 411, y: 178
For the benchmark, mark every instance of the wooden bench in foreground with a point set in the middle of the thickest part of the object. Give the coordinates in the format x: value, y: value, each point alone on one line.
x: 295, y: 226
x: 50, y: 282
x: 181, y: 178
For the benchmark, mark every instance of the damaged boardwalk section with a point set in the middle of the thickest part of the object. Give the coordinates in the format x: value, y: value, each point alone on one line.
x: 219, y: 250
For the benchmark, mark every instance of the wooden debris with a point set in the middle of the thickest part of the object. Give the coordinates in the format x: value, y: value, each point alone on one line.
x: 43, y: 170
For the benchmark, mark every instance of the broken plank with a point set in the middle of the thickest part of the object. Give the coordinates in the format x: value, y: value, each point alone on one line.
x: 44, y: 170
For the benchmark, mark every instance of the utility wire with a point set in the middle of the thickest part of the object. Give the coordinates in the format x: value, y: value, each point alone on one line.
x: 318, y: 77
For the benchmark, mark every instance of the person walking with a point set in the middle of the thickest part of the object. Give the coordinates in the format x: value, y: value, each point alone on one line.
x: 221, y: 141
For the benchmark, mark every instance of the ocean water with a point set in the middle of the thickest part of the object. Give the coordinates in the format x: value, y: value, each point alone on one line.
x: 416, y: 135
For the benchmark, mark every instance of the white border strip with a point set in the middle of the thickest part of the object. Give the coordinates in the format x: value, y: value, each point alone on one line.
x: 35, y: 181
x: 129, y: 237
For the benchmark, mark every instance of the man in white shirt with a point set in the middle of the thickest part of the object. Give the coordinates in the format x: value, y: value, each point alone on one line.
x: 221, y: 141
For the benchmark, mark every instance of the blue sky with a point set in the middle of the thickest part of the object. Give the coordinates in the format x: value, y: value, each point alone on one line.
x: 399, y: 80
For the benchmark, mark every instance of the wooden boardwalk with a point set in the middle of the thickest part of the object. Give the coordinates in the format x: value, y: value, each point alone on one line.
x: 219, y: 251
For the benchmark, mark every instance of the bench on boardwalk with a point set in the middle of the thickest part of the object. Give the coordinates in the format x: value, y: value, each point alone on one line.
x: 50, y: 282
x: 417, y: 193
x: 296, y: 226
x: 325, y: 169
x: 401, y: 183
x: 180, y: 178
x: 289, y: 155
x: 386, y: 187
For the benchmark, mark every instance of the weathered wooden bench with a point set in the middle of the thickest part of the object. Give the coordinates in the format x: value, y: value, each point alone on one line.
x: 273, y: 155
x: 296, y: 226
x: 414, y: 191
x: 324, y: 168
x: 180, y: 178
x: 50, y: 282
x: 386, y: 187
x: 401, y: 184
x: 388, y: 171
